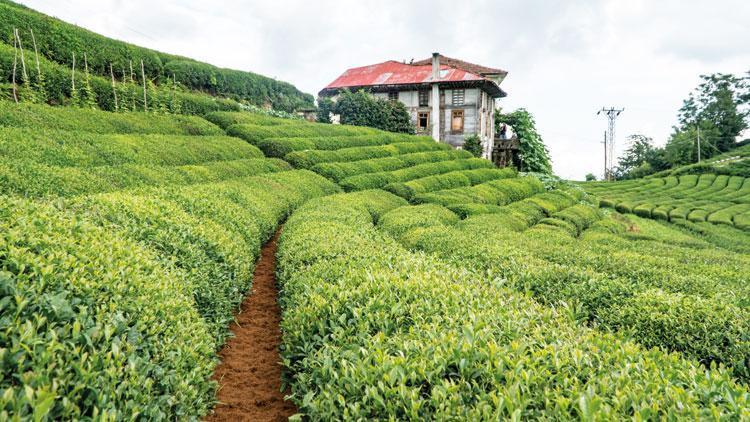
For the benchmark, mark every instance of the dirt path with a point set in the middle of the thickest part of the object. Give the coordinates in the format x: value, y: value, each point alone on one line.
x: 249, y: 374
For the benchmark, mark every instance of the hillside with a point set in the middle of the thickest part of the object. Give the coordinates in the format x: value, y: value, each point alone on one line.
x: 735, y: 162
x: 415, y: 282
x: 58, y: 41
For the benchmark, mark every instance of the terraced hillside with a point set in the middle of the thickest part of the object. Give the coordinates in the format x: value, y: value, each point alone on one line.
x: 416, y: 282
x: 719, y: 199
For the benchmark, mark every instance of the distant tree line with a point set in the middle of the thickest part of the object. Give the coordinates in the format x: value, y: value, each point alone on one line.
x: 717, y: 112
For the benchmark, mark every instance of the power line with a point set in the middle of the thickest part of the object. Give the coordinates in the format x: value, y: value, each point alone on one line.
x: 609, y: 139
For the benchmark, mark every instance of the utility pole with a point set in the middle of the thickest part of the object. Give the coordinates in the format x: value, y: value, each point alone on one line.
x: 699, y: 144
x: 605, y: 156
x: 609, y: 142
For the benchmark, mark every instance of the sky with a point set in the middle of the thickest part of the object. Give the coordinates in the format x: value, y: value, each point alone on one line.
x: 566, y: 59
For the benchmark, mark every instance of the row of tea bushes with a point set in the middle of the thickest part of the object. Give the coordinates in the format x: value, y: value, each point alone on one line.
x: 114, y: 305
x: 617, y: 274
x: 279, y: 147
x: 32, y: 179
x: 83, y: 149
x: 408, y: 190
x: 372, y: 331
x: 720, y: 235
x: 339, y: 171
x: 380, y: 179
x: 496, y: 192
x: 224, y: 119
x: 254, y: 133
x: 86, y: 120
x: 308, y: 159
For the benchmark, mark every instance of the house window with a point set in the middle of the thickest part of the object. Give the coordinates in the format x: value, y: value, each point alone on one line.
x: 458, y: 97
x: 423, y: 120
x: 424, y: 98
x: 393, y: 95
x: 457, y: 121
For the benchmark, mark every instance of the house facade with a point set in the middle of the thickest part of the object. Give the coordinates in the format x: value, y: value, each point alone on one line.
x: 447, y: 99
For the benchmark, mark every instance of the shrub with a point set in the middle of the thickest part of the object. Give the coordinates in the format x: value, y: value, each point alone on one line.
x: 363, y: 109
x: 408, y: 190
x: 279, y: 147
x: 496, y: 192
x: 308, y: 159
x: 256, y: 133
x: 380, y: 179
x: 341, y: 170
x: 76, y: 119
x: 473, y: 144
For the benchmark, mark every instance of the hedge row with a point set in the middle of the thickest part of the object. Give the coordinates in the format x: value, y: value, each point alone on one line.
x: 408, y: 190
x: 83, y: 149
x: 121, y: 301
x: 35, y: 180
x: 382, y: 178
x: 372, y: 331
x: 279, y: 147
x: 635, y: 276
x: 58, y: 89
x: 256, y: 133
x: 58, y: 40
x: 308, y: 159
x: 78, y: 119
x: 342, y: 170
x: 496, y: 192
x: 224, y: 119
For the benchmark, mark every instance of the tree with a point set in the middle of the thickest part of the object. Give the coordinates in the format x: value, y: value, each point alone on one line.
x: 682, y: 146
x: 720, y: 102
x: 640, y: 159
x: 473, y: 144
x: 362, y: 109
x: 590, y: 177
x: 325, y: 108
x: 533, y: 153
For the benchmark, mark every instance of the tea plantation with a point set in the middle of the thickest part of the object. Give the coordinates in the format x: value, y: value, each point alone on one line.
x: 416, y: 282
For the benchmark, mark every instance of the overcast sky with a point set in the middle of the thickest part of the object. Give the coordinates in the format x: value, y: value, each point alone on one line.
x: 566, y: 59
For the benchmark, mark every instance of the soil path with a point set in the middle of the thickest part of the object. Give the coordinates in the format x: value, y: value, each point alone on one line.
x: 249, y: 374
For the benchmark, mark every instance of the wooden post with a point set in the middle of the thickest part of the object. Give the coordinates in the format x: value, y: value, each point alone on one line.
x: 143, y: 76
x: 132, y: 78
x: 36, y: 54
x: 114, y: 88
x: 73, y: 73
x: 15, y: 63
x: 23, y: 60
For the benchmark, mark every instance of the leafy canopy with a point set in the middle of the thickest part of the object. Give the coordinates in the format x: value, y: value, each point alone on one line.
x: 533, y: 153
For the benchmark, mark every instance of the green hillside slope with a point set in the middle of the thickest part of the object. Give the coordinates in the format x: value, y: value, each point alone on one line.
x: 58, y: 41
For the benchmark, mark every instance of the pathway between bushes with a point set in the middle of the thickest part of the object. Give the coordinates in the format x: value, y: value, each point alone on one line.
x: 249, y: 374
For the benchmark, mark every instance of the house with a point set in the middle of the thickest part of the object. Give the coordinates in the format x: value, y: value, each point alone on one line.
x: 462, y: 94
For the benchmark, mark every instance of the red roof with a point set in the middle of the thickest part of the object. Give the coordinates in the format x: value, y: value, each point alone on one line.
x: 395, y: 73
x: 460, y: 64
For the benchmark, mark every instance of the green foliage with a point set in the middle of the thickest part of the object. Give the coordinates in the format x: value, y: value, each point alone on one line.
x: 394, y: 334
x: 279, y: 147
x: 254, y: 133
x: 590, y: 177
x: 409, y: 189
x: 43, y: 116
x: 473, y: 144
x: 379, y: 179
x: 326, y: 107
x: 57, y: 40
x: 310, y: 158
x: 362, y: 109
x: 341, y: 170
x: 533, y: 153
x: 640, y: 159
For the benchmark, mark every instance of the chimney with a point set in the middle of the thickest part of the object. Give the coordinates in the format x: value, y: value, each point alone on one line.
x: 435, y: 66
x: 435, y: 115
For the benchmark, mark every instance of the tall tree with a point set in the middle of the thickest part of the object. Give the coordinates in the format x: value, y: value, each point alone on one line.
x: 720, y: 102
x: 641, y: 158
x: 533, y: 153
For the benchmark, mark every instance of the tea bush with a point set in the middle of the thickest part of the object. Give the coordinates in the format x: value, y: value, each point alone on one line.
x: 341, y: 170
x: 408, y: 190
x: 279, y: 147
x: 254, y: 133
x: 380, y: 179
x: 308, y: 159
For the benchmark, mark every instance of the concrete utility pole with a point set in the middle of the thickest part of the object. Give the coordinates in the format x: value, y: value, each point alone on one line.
x: 609, y: 144
x: 435, y: 118
x: 699, y: 144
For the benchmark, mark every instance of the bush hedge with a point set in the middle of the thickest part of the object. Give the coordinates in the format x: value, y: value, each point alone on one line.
x: 341, y: 170
x: 374, y: 331
x: 496, y: 192
x: 409, y: 189
x: 380, y: 179
x: 84, y: 149
x: 78, y: 119
x: 310, y: 158
x: 254, y: 133
x: 279, y: 147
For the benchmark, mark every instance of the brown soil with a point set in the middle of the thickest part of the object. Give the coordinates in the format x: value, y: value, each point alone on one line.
x: 249, y: 374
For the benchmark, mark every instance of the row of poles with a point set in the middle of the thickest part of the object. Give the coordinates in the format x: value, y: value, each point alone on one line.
x: 18, y: 48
